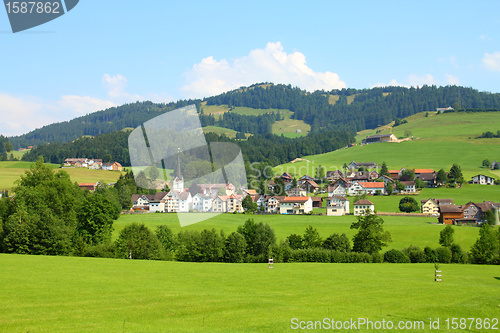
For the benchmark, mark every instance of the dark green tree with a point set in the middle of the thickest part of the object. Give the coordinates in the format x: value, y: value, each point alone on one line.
x: 389, y: 189
x: 279, y: 187
x: 44, y: 221
x: 371, y: 236
x: 311, y: 238
x: 95, y: 219
x: 166, y: 238
x: 485, y: 250
x: 235, y: 247
x: 258, y: 236
x: 446, y: 236
x: 136, y: 241
x: 486, y: 163
x: 407, y: 175
x: 455, y: 174
x: 441, y: 177
x: 408, y: 205
x: 295, y: 241
x: 248, y: 204
x: 212, y: 245
x: 337, y: 242
x: 384, y: 170
x: 489, y: 217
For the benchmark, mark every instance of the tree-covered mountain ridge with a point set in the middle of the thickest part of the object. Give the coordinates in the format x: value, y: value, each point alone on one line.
x: 349, y: 110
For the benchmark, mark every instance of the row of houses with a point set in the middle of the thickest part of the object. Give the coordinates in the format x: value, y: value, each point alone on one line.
x: 449, y: 213
x: 92, y: 163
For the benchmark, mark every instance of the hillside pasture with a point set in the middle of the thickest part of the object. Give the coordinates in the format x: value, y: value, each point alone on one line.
x: 55, y: 294
x: 11, y: 171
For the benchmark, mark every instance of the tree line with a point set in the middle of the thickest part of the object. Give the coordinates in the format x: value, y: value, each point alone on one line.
x: 355, y: 110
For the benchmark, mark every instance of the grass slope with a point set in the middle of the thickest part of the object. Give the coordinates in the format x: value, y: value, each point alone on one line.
x: 443, y: 140
x: 11, y: 171
x: 67, y: 294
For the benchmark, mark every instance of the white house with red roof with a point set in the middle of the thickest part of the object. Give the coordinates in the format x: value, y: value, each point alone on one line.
x: 357, y: 188
x: 295, y: 205
x: 363, y: 205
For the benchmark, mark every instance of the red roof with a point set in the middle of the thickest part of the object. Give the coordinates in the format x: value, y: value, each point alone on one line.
x: 424, y: 171
x: 295, y: 199
x: 372, y: 184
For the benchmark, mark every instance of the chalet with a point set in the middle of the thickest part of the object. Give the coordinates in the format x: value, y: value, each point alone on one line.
x: 305, y: 178
x: 227, y: 204
x: 272, y: 204
x: 449, y: 108
x: 362, y: 176
x: 202, y: 203
x: 213, y: 189
x: 286, y: 177
x: 317, y: 202
x: 337, y: 206
x: 296, y: 192
x: 259, y: 200
x: 334, y: 175
x: 430, y: 206
x: 380, y: 138
x: 309, y: 185
x: 295, y: 205
x: 394, y: 174
x: 140, y: 202
x: 358, y: 188
x: 495, y: 165
x: 482, y: 180
x: 89, y: 186
x: 337, y: 189
x: 250, y: 192
x: 178, y: 202
x: 363, y: 205
x: 409, y: 186
x: 428, y: 178
x: 385, y: 179
x: 449, y: 213
x: 115, y: 166
x: 419, y: 172
x: 355, y: 165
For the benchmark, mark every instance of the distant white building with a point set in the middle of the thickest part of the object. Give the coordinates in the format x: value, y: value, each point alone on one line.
x: 363, y: 205
x: 202, y: 203
x: 337, y: 206
x: 482, y: 180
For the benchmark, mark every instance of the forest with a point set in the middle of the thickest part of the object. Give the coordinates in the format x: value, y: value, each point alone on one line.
x: 353, y: 110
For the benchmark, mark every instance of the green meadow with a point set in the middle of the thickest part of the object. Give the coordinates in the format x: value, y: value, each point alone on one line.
x: 439, y: 142
x: 11, y: 171
x: 405, y: 230
x: 69, y: 294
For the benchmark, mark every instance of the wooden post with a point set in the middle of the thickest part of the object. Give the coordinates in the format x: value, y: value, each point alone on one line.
x: 270, y: 263
x: 437, y: 276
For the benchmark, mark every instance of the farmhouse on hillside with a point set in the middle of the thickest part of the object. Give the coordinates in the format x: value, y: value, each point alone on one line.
x: 482, y: 180
x: 337, y: 206
x: 380, y: 138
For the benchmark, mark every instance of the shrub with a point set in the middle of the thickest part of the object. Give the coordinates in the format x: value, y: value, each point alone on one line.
x: 458, y: 256
x: 139, y: 242
x: 377, y: 257
x: 396, y: 256
x: 443, y: 255
x: 430, y: 254
x: 415, y: 254
x: 100, y: 251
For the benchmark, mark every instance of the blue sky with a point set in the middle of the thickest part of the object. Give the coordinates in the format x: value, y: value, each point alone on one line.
x: 105, y: 53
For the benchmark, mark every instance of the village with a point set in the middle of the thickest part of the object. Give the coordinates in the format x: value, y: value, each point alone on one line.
x: 304, y: 194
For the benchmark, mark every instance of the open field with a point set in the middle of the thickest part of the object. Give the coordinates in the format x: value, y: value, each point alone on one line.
x: 289, y: 127
x: 405, y: 231
x: 442, y: 140
x: 68, y: 294
x: 11, y: 171
x: 221, y: 130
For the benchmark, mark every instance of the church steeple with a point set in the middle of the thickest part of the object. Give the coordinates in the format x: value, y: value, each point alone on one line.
x: 178, y: 183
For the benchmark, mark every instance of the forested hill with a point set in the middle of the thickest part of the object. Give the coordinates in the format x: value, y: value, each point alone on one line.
x: 349, y: 110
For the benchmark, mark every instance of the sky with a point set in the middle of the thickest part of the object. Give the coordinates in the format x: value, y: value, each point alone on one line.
x: 105, y: 53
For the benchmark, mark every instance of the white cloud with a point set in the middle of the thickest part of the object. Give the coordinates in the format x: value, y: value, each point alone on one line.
x: 271, y: 64
x: 115, y: 85
x: 420, y: 80
x: 492, y: 61
x: 453, y: 80
x: 392, y: 83
x: 21, y: 114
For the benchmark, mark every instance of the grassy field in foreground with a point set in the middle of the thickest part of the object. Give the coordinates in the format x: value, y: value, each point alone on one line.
x: 68, y: 294
x: 11, y: 171
x: 405, y: 231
